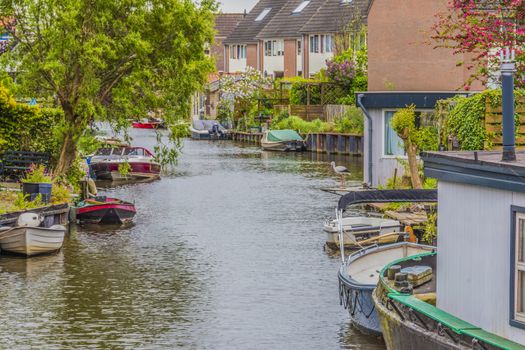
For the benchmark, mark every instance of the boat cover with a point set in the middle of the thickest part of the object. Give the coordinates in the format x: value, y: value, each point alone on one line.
x: 206, y: 125
x: 387, y: 196
x: 283, y: 135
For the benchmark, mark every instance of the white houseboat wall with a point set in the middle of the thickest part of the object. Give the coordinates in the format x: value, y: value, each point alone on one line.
x: 382, y: 147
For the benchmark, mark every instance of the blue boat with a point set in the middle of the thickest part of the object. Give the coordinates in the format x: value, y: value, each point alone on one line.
x: 208, y: 130
x: 359, y: 275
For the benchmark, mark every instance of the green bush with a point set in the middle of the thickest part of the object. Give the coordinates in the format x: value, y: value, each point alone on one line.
x: 352, y: 122
x: 302, y: 126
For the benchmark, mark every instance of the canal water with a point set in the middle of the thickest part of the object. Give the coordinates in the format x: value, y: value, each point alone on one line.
x: 226, y: 253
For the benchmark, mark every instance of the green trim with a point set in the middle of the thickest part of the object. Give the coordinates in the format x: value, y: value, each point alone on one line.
x: 452, y: 322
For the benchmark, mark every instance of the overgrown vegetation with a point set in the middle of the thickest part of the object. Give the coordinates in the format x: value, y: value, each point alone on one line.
x: 352, y: 122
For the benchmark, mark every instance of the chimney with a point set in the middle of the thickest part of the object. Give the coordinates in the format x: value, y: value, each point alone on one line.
x: 508, y: 68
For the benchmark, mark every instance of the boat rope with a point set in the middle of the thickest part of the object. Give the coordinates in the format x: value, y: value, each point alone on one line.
x: 352, y: 300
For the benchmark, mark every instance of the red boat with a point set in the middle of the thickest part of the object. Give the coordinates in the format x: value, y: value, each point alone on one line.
x: 124, y: 163
x: 105, y: 211
x: 151, y: 123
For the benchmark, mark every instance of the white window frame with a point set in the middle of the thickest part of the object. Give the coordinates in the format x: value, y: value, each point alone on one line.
x: 315, y: 38
x: 299, y: 47
x: 517, y: 268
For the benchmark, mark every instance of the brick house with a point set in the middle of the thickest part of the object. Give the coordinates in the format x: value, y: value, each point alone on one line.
x: 225, y: 23
x: 241, y: 47
x: 403, y: 69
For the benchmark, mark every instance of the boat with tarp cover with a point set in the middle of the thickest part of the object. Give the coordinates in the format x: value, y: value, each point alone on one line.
x: 405, y: 300
x: 365, y: 230
x: 283, y: 140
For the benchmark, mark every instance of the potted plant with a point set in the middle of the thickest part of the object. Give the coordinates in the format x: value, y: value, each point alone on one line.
x: 36, y: 183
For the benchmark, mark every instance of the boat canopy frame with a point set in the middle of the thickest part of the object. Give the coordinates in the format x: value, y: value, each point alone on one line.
x: 387, y: 196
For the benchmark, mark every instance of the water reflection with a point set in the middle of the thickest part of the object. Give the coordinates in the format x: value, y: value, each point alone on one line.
x: 226, y: 253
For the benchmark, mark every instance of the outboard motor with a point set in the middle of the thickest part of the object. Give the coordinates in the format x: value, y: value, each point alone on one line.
x: 215, y: 130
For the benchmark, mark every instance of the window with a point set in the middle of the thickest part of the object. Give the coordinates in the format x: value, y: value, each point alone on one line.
x: 273, y: 48
x: 238, y: 52
x: 328, y: 44
x: 518, y: 269
x: 263, y: 14
x: 393, y: 144
x: 301, y: 7
x: 299, y: 47
x: 314, y: 43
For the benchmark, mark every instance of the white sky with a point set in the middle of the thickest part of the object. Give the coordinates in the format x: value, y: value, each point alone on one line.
x: 237, y: 6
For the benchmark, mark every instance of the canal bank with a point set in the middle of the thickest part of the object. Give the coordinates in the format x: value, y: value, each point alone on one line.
x: 226, y: 253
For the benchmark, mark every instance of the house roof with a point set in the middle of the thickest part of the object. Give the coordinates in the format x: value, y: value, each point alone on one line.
x: 287, y: 24
x: 247, y: 30
x: 225, y: 23
x: 334, y: 15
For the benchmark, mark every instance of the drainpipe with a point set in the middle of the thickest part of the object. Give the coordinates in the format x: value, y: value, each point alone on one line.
x: 369, y: 120
x: 508, y: 68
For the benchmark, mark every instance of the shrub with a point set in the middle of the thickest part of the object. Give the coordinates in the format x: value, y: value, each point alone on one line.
x: 352, y: 122
x: 37, y: 174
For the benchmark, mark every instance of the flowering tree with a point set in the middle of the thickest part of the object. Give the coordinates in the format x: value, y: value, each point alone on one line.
x: 341, y: 72
x: 240, y: 93
x: 480, y: 29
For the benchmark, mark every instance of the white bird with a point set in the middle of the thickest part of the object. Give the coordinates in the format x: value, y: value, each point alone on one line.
x: 341, y: 171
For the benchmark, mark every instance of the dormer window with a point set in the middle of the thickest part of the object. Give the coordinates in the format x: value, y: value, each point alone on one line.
x: 301, y: 7
x: 263, y: 14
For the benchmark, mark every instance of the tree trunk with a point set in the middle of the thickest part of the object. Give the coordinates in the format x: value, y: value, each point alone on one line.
x: 68, y: 154
x: 412, y: 164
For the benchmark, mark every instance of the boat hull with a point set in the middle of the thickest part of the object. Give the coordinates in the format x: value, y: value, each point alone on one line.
x: 284, y: 146
x: 31, y: 241
x: 106, y: 214
x: 139, y: 170
x: 362, y: 228
x: 138, y: 125
x: 206, y: 135
x: 360, y: 305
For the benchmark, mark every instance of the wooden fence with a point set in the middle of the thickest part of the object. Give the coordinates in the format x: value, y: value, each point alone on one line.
x: 311, y: 112
x: 493, y: 120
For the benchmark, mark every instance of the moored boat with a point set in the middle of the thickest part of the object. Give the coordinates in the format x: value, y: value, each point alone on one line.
x: 283, y: 140
x: 207, y: 130
x: 147, y: 124
x: 124, y: 163
x: 27, y: 238
x: 358, y: 278
x: 405, y: 300
x: 105, y: 211
x: 362, y: 230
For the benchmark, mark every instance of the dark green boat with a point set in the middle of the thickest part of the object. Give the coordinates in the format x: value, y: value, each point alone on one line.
x: 410, y: 321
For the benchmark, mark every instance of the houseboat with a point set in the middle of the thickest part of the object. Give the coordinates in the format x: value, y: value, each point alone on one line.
x: 208, y: 130
x: 283, y: 140
x: 471, y: 293
x: 124, y: 163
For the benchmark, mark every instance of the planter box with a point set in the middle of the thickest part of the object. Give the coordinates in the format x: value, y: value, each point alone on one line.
x: 34, y: 189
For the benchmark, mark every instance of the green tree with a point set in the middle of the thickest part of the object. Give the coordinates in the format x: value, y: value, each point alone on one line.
x: 109, y: 60
x: 416, y: 138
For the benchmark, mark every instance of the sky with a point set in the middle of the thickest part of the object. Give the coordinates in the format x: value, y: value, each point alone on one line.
x: 237, y: 5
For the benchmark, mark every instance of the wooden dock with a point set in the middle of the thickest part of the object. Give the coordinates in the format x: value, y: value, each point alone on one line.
x: 331, y: 143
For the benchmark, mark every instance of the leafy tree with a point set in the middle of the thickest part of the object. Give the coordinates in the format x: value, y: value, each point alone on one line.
x: 109, y: 60
x: 480, y: 29
x: 415, y: 138
x: 240, y: 93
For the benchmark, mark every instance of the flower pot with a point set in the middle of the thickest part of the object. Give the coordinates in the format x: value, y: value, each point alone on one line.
x: 34, y: 189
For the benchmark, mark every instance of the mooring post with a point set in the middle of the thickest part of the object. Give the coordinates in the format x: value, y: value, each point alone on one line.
x: 508, y: 68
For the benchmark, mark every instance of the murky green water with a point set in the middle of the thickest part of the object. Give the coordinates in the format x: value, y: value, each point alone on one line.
x: 225, y: 254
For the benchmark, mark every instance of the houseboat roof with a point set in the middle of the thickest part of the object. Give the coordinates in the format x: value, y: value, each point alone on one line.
x: 290, y: 19
x: 387, y: 196
x: 401, y: 99
x: 248, y: 28
x: 481, y: 168
x: 333, y: 16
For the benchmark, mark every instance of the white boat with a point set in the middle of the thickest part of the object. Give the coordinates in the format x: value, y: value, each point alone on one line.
x: 141, y: 164
x: 207, y: 130
x: 362, y: 230
x: 28, y: 239
x: 358, y: 278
